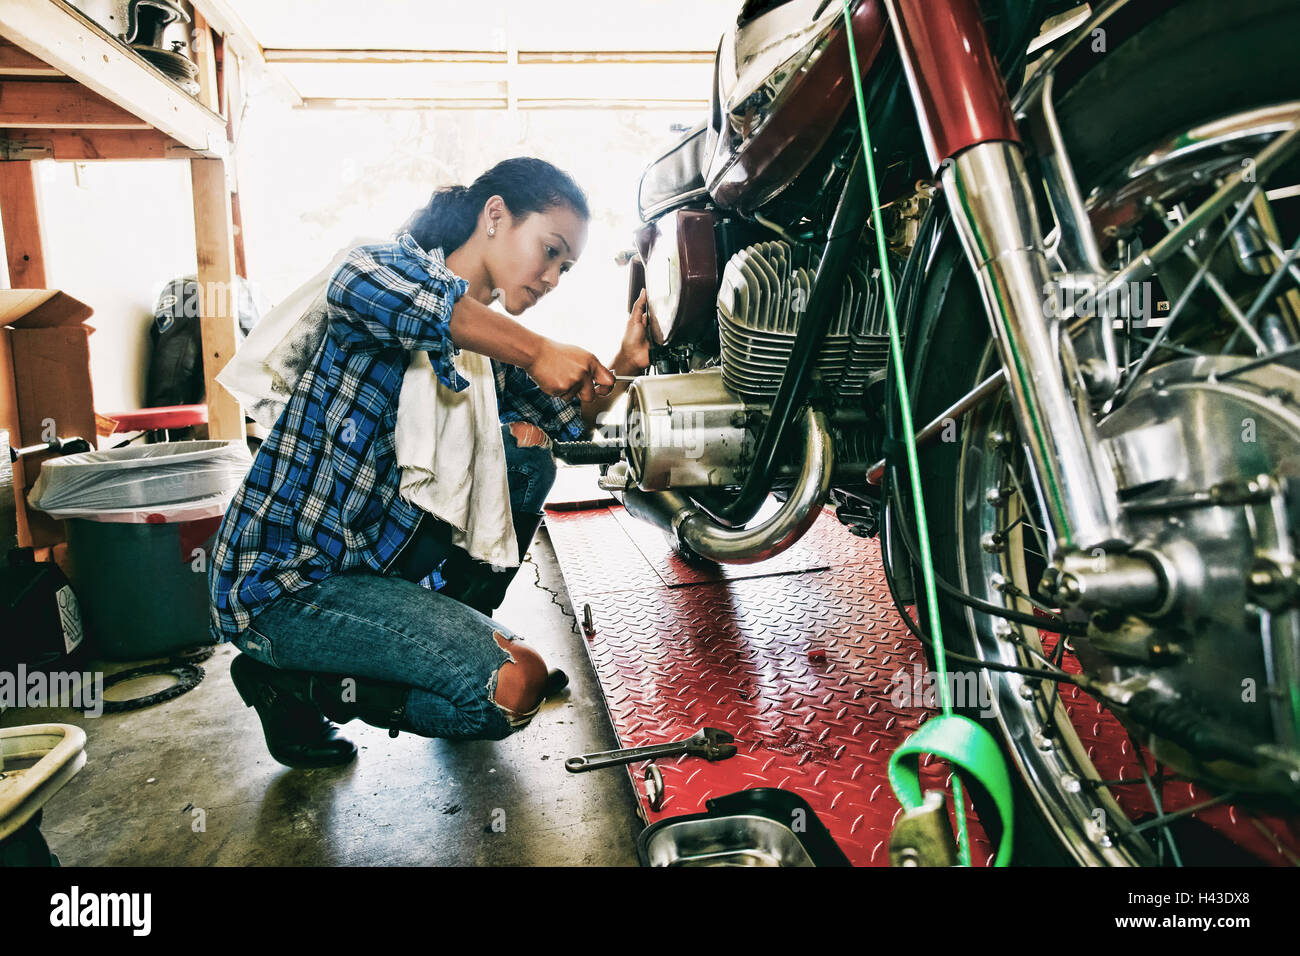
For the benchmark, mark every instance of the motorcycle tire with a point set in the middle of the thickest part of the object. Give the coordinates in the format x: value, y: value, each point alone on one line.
x: 1195, y: 62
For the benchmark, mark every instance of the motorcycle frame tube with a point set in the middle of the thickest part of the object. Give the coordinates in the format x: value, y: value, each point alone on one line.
x: 842, y: 241
x: 672, y: 512
x: 960, y: 97
x: 994, y: 213
x: 990, y: 386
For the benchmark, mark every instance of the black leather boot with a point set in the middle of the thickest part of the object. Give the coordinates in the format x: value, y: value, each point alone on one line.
x: 297, y: 733
x: 382, y: 704
x: 475, y: 583
x: 377, y: 703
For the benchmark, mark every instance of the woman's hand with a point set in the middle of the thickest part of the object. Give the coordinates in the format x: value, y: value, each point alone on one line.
x: 634, y: 354
x: 566, y: 371
x: 633, y: 359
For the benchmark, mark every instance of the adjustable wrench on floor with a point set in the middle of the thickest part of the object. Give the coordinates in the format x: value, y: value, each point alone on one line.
x: 709, y: 743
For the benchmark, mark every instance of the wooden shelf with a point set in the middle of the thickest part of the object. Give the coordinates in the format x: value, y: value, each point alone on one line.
x: 71, y: 91
x: 59, y: 36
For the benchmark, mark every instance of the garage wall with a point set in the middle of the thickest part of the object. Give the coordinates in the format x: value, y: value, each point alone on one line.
x: 312, y: 180
x: 114, y: 234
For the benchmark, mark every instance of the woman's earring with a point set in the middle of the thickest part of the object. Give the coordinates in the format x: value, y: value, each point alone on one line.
x: 492, y: 230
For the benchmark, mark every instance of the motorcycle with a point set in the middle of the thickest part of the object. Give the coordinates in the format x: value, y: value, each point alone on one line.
x: 1110, y: 453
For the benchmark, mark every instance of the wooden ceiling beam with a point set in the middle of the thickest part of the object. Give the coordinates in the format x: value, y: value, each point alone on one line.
x: 363, y: 103
x: 60, y: 104
x: 498, y: 103
x: 384, y: 56
x: 487, y: 56
x: 90, y: 145
x: 15, y: 61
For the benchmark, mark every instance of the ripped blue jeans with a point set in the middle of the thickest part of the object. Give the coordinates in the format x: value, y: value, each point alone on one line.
x: 383, y: 627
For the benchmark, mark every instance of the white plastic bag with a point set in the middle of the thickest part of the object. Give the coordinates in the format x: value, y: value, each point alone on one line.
x: 213, y: 506
x: 268, y: 364
x: 139, y: 478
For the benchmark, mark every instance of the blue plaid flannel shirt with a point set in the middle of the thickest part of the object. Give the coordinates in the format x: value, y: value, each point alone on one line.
x: 322, y: 494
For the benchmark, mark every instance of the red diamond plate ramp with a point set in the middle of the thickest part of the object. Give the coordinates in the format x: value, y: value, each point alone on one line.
x: 798, y: 658
x: 831, y: 545
x: 575, y: 489
x: 795, y: 658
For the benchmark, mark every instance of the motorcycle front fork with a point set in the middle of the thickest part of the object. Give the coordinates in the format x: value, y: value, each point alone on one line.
x: 973, y: 142
x: 992, y: 207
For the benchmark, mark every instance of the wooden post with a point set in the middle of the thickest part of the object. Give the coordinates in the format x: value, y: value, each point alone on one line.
x: 20, y: 213
x: 230, y: 86
x: 209, y: 94
x: 218, y: 294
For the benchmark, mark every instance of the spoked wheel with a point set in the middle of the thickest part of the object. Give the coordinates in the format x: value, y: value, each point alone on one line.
x: 1002, y: 550
x: 1094, y: 790
x: 1097, y: 793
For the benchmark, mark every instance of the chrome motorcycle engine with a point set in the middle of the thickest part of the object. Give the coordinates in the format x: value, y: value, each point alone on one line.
x: 685, y: 431
x: 764, y: 295
x: 698, y: 428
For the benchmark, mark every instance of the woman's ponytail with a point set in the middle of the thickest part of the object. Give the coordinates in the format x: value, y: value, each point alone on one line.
x: 527, y: 185
x: 446, y: 222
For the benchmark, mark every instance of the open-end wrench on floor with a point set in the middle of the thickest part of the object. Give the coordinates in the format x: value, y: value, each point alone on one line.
x: 709, y: 743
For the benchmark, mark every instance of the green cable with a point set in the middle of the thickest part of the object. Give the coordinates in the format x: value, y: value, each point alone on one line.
x: 909, y: 432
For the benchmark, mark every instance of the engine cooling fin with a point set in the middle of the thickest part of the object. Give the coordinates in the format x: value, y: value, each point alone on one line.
x: 765, y: 289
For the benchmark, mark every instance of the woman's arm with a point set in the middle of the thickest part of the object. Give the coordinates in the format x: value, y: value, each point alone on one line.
x: 387, y: 294
x: 382, y: 294
x: 563, y: 371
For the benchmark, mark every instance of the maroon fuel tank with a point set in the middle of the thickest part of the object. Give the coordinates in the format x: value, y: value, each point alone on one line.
x: 766, y: 140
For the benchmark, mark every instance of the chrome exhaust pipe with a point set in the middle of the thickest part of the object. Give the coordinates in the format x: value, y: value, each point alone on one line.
x: 689, y: 526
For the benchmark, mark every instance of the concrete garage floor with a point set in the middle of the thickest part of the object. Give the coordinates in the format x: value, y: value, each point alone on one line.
x: 409, y: 801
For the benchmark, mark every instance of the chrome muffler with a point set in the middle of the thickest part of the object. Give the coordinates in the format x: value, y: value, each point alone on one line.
x: 689, y: 526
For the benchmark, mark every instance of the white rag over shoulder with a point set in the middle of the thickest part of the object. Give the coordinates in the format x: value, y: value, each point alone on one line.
x: 452, y: 459
x: 448, y: 443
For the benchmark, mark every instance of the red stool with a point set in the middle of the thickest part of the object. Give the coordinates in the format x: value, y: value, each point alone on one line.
x: 158, y: 422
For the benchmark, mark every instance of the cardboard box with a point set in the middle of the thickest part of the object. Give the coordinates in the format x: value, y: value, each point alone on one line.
x: 44, y: 389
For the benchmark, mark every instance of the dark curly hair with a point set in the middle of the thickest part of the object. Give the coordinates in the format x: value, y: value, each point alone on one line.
x: 527, y: 185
